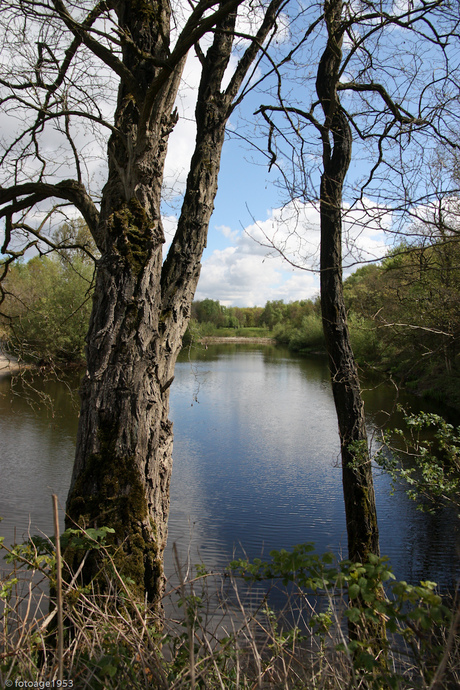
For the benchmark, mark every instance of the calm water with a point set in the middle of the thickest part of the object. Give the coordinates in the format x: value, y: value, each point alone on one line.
x: 256, y: 463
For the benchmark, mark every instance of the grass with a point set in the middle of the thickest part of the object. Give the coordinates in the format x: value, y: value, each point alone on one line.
x: 219, y: 630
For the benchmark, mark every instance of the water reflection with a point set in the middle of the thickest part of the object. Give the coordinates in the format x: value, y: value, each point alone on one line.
x: 36, y: 450
x: 255, y: 463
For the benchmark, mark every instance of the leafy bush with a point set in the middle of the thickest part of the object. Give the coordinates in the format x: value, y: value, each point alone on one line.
x: 47, y: 307
x: 364, y: 340
x: 426, y: 457
x: 371, y: 599
x: 219, y: 633
x: 308, y: 337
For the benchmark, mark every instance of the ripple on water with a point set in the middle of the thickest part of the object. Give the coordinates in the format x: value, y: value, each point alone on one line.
x: 255, y: 466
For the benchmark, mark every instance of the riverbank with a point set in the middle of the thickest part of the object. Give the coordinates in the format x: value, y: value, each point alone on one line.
x: 230, y: 340
x: 108, y: 646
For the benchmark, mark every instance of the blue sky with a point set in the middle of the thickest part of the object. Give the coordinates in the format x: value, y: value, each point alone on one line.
x: 239, y: 266
x: 237, y: 269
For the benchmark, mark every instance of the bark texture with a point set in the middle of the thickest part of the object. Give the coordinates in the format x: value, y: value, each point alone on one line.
x: 123, y: 458
x: 124, y: 448
x: 360, y: 509
x: 142, y: 307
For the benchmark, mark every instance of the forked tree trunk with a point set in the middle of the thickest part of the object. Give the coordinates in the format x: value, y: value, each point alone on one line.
x: 142, y: 307
x: 140, y: 312
x: 123, y: 457
x: 360, y: 509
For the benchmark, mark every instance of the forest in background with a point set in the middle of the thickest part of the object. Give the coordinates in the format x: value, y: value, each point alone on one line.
x: 404, y: 314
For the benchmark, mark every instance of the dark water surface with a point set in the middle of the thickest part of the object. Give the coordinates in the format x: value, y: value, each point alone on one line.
x: 256, y: 463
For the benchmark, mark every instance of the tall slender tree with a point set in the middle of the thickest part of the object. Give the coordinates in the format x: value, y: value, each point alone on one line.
x: 374, y: 86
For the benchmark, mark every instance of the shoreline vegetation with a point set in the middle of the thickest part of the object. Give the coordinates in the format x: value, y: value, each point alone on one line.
x: 219, y: 630
x: 241, y: 340
x: 403, y: 316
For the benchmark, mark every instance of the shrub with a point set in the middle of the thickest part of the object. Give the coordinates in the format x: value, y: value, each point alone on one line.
x: 47, y: 308
x: 219, y: 632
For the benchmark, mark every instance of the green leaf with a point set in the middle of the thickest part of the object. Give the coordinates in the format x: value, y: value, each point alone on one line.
x: 353, y: 591
x: 353, y: 615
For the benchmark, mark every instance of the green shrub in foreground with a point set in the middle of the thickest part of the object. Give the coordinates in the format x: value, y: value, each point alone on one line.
x: 220, y: 634
x: 374, y: 597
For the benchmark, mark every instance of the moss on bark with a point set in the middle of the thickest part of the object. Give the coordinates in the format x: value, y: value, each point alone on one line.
x: 109, y: 492
x: 131, y: 228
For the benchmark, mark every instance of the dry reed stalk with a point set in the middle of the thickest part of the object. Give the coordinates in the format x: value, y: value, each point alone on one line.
x: 60, y: 634
x: 234, y: 644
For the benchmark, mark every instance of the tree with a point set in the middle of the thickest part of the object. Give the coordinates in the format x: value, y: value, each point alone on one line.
x: 374, y: 86
x: 48, y: 304
x: 411, y: 303
x: 61, y: 63
x: 273, y: 313
x: 47, y: 300
x: 207, y: 311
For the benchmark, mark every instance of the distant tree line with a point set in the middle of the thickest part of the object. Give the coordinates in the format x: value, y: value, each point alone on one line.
x: 404, y: 314
x: 208, y: 311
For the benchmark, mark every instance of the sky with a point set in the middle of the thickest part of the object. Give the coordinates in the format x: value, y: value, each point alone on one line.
x: 240, y: 266
x: 253, y: 214
x: 252, y: 211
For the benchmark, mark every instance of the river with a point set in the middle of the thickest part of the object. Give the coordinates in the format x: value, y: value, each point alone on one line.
x: 256, y: 462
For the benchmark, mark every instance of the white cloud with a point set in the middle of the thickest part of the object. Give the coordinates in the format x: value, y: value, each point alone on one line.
x: 253, y: 269
x: 233, y: 277
x: 182, y: 139
x: 228, y: 232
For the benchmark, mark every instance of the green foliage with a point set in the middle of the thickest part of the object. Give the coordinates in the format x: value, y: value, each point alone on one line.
x: 38, y: 553
x: 408, y: 312
x: 210, y: 313
x: 196, y: 331
x: 308, y: 337
x: 374, y: 598
x: 90, y: 538
x: 426, y: 456
x: 114, y: 641
x: 364, y: 339
x: 46, y: 311
x: 273, y: 313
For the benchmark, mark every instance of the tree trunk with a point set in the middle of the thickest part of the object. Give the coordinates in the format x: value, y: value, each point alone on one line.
x: 140, y: 312
x: 360, y: 509
x: 141, y: 308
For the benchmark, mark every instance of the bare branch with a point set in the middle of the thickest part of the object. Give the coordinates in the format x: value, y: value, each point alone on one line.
x: 20, y: 197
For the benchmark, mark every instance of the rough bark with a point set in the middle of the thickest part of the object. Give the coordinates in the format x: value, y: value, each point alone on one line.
x: 141, y: 308
x: 124, y: 448
x: 360, y: 509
